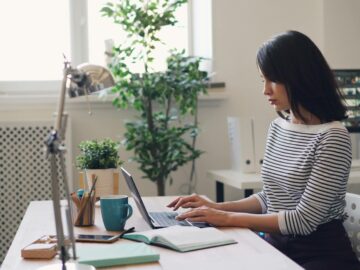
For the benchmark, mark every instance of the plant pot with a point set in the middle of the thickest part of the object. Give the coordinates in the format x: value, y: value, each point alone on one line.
x: 107, y: 182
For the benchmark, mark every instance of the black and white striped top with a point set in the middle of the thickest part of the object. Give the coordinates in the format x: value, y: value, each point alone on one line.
x: 305, y: 172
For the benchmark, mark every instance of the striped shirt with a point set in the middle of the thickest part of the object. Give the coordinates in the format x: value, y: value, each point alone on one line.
x: 305, y: 173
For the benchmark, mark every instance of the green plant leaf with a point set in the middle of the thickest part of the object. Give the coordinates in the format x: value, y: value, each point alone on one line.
x: 103, y: 154
x: 163, y: 135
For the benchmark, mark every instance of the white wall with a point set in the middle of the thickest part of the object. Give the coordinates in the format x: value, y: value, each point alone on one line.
x: 239, y: 28
x: 341, y: 46
x: 342, y: 33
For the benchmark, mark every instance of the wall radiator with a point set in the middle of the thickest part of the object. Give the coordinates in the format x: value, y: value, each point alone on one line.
x: 24, y: 173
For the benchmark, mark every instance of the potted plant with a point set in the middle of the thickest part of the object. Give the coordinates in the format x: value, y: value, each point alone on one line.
x: 164, y: 133
x: 100, y: 159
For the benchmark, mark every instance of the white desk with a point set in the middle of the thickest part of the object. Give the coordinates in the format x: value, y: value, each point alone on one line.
x: 250, y: 181
x: 246, y: 181
x: 251, y: 251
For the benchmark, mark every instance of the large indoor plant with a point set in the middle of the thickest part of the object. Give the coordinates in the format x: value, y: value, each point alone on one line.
x: 100, y: 158
x: 161, y: 138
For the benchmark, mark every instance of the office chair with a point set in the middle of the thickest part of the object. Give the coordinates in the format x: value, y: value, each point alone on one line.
x: 352, y: 223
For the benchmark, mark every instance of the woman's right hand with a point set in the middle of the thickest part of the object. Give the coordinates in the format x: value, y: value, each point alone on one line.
x: 191, y: 201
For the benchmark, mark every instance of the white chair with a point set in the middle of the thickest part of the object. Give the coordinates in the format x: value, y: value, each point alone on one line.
x: 352, y: 223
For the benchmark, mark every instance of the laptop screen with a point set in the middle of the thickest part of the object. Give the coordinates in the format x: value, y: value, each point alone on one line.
x: 136, y: 195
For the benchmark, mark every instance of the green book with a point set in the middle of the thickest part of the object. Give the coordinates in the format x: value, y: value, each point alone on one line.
x: 103, y: 255
x: 183, y: 238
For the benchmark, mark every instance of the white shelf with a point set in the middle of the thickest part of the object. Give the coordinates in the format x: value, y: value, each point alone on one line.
x: 214, y: 96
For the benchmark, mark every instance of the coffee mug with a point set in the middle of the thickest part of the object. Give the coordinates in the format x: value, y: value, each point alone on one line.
x: 115, y: 210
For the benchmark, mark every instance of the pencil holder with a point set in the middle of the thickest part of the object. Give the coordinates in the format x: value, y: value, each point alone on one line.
x: 83, y: 209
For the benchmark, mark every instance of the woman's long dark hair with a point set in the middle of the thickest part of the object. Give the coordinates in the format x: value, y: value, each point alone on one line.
x: 291, y: 58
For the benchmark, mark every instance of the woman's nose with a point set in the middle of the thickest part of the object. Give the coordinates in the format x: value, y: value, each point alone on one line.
x: 266, y: 89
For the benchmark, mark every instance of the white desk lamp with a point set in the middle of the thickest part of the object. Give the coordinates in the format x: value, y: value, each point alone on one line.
x: 80, y: 81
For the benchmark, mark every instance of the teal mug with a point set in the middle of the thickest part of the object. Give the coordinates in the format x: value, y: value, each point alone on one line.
x: 115, y: 211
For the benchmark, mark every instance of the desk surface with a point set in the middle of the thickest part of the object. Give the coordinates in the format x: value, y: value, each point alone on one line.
x: 237, y: 179
x: 242, y: 180
x: 251, y: 252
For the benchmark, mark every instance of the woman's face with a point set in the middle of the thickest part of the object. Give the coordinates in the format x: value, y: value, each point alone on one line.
x: 276, y: 94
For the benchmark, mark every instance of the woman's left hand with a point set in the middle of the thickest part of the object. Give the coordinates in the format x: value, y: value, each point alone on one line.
x: 206, y: 214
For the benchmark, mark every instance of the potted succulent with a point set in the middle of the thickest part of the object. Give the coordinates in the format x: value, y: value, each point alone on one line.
x: 101, y: 159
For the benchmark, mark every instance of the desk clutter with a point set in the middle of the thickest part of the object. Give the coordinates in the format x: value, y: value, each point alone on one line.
x: 252, y: 253
x: 43, y: 248
x: 82, y: 205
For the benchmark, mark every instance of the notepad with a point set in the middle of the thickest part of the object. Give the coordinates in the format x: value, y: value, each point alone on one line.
x: 183, y: 238
x: 101, y: 255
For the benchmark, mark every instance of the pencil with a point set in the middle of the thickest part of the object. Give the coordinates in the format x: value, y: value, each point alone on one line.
x: 86, y: 200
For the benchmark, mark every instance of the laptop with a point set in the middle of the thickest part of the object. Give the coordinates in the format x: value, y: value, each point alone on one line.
x: 156, y: 220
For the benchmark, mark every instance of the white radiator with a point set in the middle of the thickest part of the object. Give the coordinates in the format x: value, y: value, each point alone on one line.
x: 24, y: 173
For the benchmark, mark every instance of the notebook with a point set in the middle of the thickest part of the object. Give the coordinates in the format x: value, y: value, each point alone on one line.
x: 99, y: 255
x: 181, y: 238
x: 156, y: 220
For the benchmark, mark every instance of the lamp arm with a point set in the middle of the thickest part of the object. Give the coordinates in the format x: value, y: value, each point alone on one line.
x: 67, y: 70
x: 86, y: 79
x: 55, y: 149
x: 68, y: 214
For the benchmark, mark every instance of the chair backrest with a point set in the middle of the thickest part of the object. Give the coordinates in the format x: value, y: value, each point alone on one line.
x: 352, y: 223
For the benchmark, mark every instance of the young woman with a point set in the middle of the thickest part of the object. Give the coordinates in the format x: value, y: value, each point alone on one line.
x: 306, y: 164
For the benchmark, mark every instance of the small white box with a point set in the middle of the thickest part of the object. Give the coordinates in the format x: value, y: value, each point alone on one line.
x: 241, y: 139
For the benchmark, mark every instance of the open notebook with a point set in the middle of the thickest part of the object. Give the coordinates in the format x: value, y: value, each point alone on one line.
x: 183, y: 238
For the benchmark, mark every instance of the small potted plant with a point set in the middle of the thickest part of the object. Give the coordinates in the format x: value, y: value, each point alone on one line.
x: 100, y: 159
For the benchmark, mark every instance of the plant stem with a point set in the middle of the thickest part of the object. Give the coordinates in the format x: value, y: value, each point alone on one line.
x: 168, y: 107
x: 193, y: 163
x: 160, y: 186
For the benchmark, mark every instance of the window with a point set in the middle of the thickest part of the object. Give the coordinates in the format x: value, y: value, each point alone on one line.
x: 103, y: 28
x: 34, y: 42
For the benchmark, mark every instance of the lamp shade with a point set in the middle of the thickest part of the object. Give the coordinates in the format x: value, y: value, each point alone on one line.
x: 86, y: 79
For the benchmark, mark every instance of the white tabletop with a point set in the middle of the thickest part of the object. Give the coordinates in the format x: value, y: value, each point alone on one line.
x: 242, y: 180
x: 251, y: 251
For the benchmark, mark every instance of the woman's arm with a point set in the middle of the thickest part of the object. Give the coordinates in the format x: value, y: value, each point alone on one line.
x: 247, y: 205
x: 323, y: 196
x: 257, y: 222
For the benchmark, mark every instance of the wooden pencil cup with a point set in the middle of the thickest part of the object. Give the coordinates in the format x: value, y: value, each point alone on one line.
x: 83, y: 210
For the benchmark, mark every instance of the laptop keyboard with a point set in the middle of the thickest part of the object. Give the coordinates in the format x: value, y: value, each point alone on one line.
x: 167, y: 219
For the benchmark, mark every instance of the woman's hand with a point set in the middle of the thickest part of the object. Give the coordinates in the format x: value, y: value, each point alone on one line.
x: 206, y: 214
x: 192, y: 201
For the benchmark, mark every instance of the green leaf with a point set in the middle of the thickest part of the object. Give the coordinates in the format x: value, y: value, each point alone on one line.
x: 103, y: 154
x: 162, y: 137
